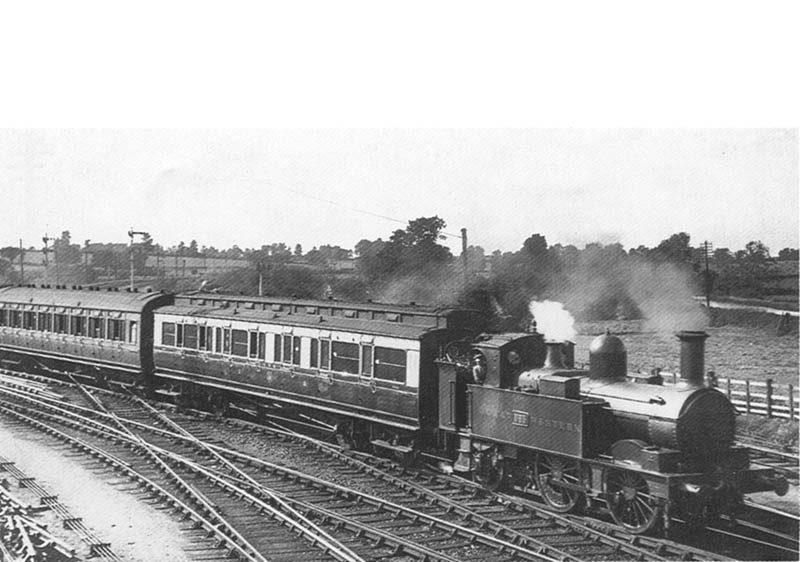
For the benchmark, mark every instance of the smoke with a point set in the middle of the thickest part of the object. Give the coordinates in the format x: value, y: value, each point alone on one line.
x: 665, y: 296
x: 430, y: 286
x: 605, y: 283
x: 553, y: 320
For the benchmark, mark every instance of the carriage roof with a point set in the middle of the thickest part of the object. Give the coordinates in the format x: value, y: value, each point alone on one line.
x: 119, y: 301
x: 406, y: 321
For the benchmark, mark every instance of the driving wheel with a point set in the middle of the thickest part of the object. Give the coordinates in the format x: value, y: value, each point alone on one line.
x: 630, y: 502
x: 551, y: 472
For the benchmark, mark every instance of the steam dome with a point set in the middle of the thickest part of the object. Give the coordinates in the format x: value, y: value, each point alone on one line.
x: 608, y: 358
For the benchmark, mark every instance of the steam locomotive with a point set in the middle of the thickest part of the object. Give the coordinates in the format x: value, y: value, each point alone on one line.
x: 508, y: 409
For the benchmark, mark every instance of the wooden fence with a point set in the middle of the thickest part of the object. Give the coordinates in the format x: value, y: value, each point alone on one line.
x: 763, y: 398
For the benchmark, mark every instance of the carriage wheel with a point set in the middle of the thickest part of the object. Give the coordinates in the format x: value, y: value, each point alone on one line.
x: 550, y: 470
x: 489, y: 470
x: 629, y: 500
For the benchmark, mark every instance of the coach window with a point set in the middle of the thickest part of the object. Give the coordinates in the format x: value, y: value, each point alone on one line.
x: 44, y: 324
x: 314, y: 359
x: 253, y: 345
x: 278, y: 347
x: 287, y: 349
x: 134, y: 332
x: 2, y: 316
x: 344, y: 357
x: 190, y: 336
x: 96, y: 327
x: 239, y: 343
x: 366, y: 360
x: 29, y: 320
x: 78, y: 325
x: 262, y: 345
x: 226, y: 340
x: 296, y: 347
x: 204, y: 338
x: 324, y: 354
x: 390, y: 364
x: 16, y: 319
x: 218, y: 340
x: 116, y: 330
x: 179, y: 335
x: 60, y: 323
x: 168, y: 333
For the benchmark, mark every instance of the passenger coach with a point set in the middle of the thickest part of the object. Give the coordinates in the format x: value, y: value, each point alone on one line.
x: 366, y: 369
x: 88, y: 333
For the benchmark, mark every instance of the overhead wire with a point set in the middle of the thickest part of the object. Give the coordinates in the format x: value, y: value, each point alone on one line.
x: 356, y: 209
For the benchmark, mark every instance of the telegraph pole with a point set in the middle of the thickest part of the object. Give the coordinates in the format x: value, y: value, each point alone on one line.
x: 21, y: 262
x: 707, y: 249
x: 46, y: 251
x: 464, y: 254
x: 133, y: 233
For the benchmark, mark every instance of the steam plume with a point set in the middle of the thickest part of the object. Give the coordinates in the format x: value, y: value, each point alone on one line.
x: 553, y: 320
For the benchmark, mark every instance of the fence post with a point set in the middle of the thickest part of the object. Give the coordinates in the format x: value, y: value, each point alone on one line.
x: 791, y: 401
x: 769, y: 398
x: 747, y: 395
x: 729, y: 387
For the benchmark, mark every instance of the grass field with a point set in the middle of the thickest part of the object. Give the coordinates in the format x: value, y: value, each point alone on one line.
x: 733, y: 351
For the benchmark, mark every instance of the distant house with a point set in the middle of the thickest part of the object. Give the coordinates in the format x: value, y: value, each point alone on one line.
x: 342, y: 265
x: 94, y: 253
x: 181, y: 266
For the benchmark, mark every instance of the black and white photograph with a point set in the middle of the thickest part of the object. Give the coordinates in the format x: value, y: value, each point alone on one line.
x: 399, y: 283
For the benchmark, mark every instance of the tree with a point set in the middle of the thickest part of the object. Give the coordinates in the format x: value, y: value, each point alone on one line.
x: 66, y: 252
x: 676, y: 248
x: 789, y: 254
x: 326, y: 255
x: 722, y: 256
x: 417, y: 247
x: 756, y: 251
x: 10, y: 253
x: 141, y: 251
x: 408, y: 252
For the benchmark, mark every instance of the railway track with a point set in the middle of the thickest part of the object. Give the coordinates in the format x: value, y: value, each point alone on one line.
x: 435, y: 538
x: 452, y: 519
x: 460, y: 521
x: 759, y: 531
x: 787, y: 462
x: 241, y: 524
x: 24, y: 537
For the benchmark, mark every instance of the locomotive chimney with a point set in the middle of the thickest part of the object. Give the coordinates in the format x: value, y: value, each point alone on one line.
x: 692, y: 356
x: 568, y: 353
x: 554, y: 359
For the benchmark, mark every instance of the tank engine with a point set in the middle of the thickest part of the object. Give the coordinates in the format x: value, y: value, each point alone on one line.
x: 516, y: 411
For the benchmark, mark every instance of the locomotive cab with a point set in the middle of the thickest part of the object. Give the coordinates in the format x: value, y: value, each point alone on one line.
x: 506, y: 356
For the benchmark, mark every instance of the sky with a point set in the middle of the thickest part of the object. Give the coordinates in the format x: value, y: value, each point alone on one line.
x: 314, y: 122
x: 338, y: 186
